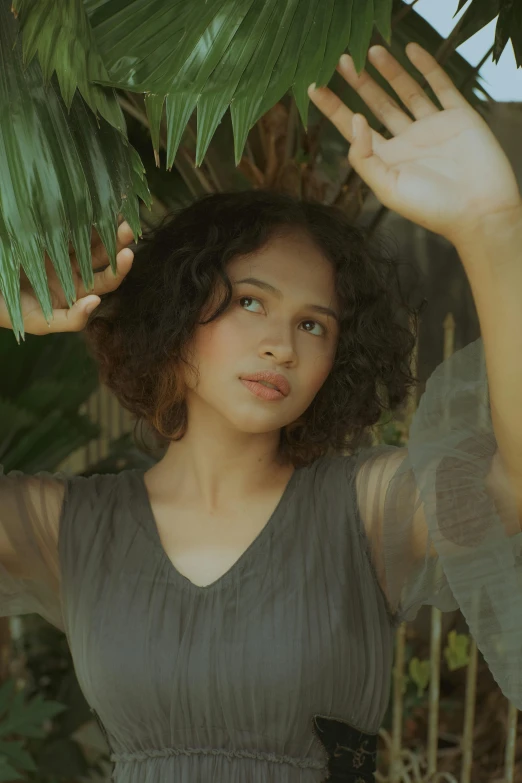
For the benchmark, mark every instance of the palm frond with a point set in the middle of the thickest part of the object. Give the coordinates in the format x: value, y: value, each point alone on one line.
x: 60, y: 174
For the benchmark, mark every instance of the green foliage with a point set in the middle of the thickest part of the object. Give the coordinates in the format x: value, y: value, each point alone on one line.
x: 55, y: 752
x: 61, y: 172
x: 509, y: 24
x: 48, y: 381
x: 419, y: 674
x: 25, y: 719
x: 61, y: 35
x: 456, y: 653
x: 66, y: 164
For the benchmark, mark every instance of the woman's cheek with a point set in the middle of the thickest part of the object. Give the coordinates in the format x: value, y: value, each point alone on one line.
x: 219, y: 340
x: 320, y: 369
x: 319, y: 377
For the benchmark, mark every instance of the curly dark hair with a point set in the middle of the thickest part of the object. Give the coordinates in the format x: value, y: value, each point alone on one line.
x: 139, y: 333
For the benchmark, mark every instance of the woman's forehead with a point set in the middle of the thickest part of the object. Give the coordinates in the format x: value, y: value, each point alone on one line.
x: 289, y: 261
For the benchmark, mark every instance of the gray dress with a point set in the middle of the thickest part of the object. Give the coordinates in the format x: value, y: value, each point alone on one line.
x: 280, y: 669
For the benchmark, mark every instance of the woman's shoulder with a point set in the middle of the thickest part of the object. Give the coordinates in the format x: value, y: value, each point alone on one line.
x: 325, y: 484
x: 99, y: 509
x: 101, y: 495
x: 329, y: 468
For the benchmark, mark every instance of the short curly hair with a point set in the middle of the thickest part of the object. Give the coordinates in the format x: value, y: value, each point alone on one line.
x: 139, y: 333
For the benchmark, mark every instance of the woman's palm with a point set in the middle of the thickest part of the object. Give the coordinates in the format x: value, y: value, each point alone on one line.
x: 433, y: 157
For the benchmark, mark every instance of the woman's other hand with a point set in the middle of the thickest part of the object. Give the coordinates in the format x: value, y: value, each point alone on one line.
x: 73, y: 319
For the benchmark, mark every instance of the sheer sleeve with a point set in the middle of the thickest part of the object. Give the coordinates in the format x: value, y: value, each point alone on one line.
x: 441, y: 516
x: 30, y: 512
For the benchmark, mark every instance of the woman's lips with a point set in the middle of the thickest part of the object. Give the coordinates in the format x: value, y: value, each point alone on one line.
x: 265, y: 392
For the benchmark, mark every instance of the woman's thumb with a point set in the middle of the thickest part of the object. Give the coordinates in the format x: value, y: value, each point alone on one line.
x: 90, y: 303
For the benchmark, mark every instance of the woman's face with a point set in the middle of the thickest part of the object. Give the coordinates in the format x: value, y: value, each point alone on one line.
x: 265, y: 330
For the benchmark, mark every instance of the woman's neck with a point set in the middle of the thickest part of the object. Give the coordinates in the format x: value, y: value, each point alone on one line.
x: 219, y: 472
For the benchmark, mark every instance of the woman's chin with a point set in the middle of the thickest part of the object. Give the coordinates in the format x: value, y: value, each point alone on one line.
x: 256, y: 424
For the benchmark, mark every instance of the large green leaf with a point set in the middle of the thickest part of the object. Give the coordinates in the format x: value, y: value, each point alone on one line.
x: 60, y: 173
x: 238, y: 53
x: 509, y: 24
x: 245, y: 54
x: 218, y: 170
x: 215, y: 54
x: 61, y: 34
x: 206, y: 54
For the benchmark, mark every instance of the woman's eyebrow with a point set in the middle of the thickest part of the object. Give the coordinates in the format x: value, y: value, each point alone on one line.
x: 267, y: 287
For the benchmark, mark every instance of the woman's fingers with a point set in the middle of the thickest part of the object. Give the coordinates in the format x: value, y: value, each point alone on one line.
x: 74, y: 319
x: 406, y: 87
x: 106, y: 281
x: 339, y: 114
x: 124, y: 237
x: 381, y: 177
x: 64, y: 319
x: 437, y: 78
x: 382, y: 105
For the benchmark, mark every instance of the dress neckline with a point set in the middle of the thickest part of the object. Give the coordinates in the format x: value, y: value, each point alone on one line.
x: 147, y: 515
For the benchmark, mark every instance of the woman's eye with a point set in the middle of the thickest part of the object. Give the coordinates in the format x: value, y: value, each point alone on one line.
x: 249, y: 298
x: 315, y: 323
x: 322, y: 332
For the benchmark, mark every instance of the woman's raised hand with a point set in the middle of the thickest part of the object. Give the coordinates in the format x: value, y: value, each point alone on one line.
x: 444, y: 170
x: 73, y: 319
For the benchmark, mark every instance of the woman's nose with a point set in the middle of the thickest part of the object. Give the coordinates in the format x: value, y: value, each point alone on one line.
x: 280, y: 345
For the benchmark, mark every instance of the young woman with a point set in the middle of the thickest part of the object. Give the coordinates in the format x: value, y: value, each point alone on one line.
x: 231, y: 611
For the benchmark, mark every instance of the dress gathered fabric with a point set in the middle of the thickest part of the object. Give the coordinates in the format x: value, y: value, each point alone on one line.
x: 279, y: 670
